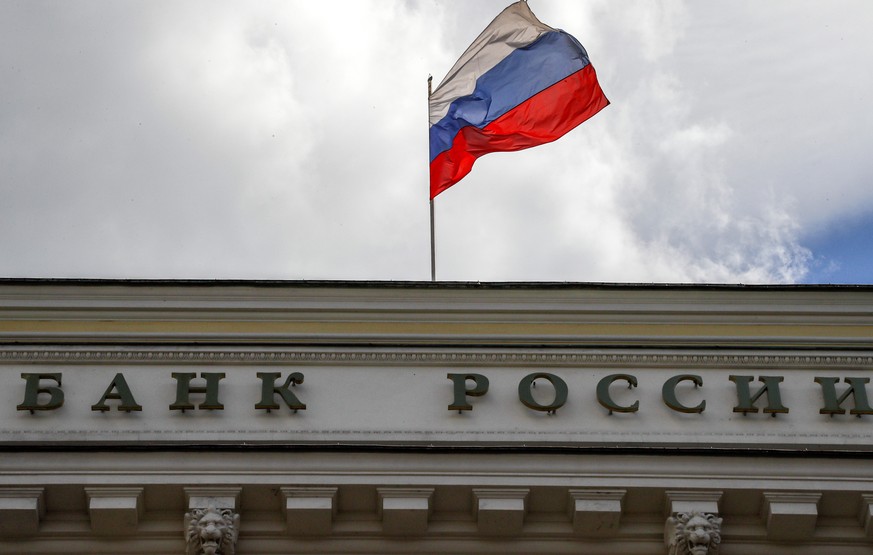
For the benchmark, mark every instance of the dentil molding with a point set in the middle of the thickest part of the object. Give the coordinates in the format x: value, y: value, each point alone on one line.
x: 401, y: 357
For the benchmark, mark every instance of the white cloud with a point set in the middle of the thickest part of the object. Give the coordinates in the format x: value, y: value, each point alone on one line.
x: 288, y: 140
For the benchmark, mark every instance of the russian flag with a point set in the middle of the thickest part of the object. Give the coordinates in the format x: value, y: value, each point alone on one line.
x: 520, y: 84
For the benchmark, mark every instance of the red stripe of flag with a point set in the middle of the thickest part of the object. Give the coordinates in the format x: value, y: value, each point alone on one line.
x: 540, y: 119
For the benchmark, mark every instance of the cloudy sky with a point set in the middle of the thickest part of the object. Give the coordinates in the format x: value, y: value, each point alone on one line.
x: 288, y: 140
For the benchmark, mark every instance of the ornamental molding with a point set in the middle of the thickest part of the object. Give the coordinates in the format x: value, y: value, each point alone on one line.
x: 405, y: 356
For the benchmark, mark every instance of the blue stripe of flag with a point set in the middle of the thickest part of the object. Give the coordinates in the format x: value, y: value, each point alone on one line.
x: 524, y: 73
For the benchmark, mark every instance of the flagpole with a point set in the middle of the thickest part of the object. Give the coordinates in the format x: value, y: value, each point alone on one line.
x: 432, y: 241
x: 432, y: 247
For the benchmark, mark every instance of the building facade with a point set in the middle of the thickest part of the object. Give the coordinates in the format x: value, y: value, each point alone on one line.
x: 261, y: 418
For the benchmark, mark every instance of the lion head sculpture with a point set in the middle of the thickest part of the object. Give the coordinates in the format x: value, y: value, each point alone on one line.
x: 693, y: 534
x: 211, y: 531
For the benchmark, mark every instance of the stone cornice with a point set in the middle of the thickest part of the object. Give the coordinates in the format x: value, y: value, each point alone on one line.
x: 524, y: 315
x: 617, y: 302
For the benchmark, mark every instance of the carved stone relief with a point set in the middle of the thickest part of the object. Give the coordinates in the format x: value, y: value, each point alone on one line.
x: 692, y: 533
x: 211, y: 531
